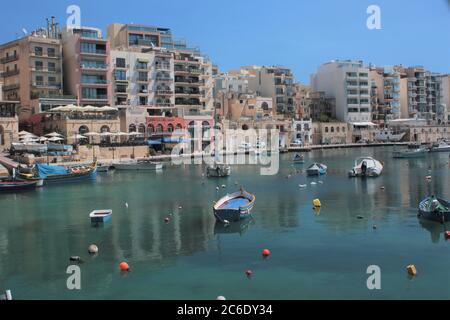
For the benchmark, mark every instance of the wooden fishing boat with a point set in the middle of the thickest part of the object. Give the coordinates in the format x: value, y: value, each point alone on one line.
x: 60, y: 174
x: 317, y: 169
x: 234, y: 207
x: 434, y: 209
x: 12, y: 185
x: 100, y: 216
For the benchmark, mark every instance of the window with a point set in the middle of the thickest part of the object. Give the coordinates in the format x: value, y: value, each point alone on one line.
x: 338, y: 129
x: 170, y: 128
x: 51, y: 66
x: 39, y: 65
x: 251, y: 107
x: 83, y: 130
x: 38, y: 51
x: 143, y: 76
x: 151, y: 128
x: 343, y: 129
x: 120, y: 75
x: 52, y: 81
x: 179, y: 127
x: 143, y: 101
x: 326, y: 129
x: 332, y: 129
x: 265, y: 106
x: 159, y: 128
x: 132, y: 128
x: 120, y: 63
x: 39, y: 80
x: 51, y: 52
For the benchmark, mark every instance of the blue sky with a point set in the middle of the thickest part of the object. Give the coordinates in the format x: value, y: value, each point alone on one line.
x: 295, y: 33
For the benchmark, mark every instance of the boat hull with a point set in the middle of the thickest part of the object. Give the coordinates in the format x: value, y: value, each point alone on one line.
x: 72, y: 177
x: 100, y: 216
x: 234, y: 207
x: 17, y: 186
x: 138, y: 167
x: 437, y: 216
x: 410, y: 154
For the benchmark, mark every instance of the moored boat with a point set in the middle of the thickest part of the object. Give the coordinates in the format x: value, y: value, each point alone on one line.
x: 410, y: 153
x: 434, y: 209
x: 219, y: 170
x: 60, y: 174
x: 366, y: 167
x: 100, y: 216
x: 441, y: 146
x: 102, y: 167
x: 13, y: 185
x: 138, y: 165
x: 317, y: 169
x: 234, y: 207
x: 389, y: 135
x: 299, y: 158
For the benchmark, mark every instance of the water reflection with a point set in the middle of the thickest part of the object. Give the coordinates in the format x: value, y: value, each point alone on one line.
x: 240, y: 227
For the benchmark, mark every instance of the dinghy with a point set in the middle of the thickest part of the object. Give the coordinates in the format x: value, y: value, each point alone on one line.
x: 100, y: 216
x: 299, y: 158
x: 316, y: 169
x: 219, y: 170
x: 234, y: 207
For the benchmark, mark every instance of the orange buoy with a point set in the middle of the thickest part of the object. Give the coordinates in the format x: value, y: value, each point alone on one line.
x: 266, y: 253
x: 124, y: 266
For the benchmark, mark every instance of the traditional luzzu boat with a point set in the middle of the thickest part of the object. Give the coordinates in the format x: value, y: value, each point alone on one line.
x: 434, y: 209
x: 61, y: 174
x: 299, y: 158
x: 366, y: 167
x: 218, y: 170
x: 316, y: 169
x: 100, y: 216
x: 13, y: 185
x: 234, y: 207
x: 410, y: 153
x: 138, y: 165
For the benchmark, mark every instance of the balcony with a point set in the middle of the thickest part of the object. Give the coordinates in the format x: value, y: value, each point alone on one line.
x: 97, y: 52
x: 162, y: 67
x: 99, y: 97
x: 10, y: 87
x: 164, y: 92
x: 46, y: 70
x: 43, y: 84
x: 45, y: 55
x: 9, y: 59
x: 141, y: 67
x: 94, y: 67
x: 163, y: 78
x: 94, y: 82
x: 10, y: 73
x: 164, y: 105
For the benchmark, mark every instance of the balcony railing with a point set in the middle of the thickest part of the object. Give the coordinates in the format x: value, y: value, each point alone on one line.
x: 162, y: 67
x: 96, y: 97
x: 94, y: 66
x: 11, y: 87
x: 162, y: 78
x: 10, y: 73
x: 92, y: 81
x: 43, y: 84
x: 164, y: 92
x: 97, y: 52
x: 9, y: 59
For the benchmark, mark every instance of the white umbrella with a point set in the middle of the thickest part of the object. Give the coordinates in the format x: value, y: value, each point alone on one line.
x: 58, y: 109
x: 121, y: 134
x: 90, y: 109
x: 77, y: 137
x: 24, y: 133
x: 135, y: 133
x: 91, y: 134
x: 106, y: 109
x: 53, y: 135
x: 55, y: 139
x: 27, y: 136
x: 30, y: 139
x: 106, y: 134
x: 43, y: 139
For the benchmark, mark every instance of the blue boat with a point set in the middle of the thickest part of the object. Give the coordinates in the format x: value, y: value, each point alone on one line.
x: 234, y: 207
x: 13, y: 185
x: 100, y: 216
x: 298, y: 158
x: 435, y: 209
x: 316, y: 169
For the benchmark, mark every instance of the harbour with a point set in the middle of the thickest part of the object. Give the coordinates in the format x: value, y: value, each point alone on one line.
x: 320, y: 254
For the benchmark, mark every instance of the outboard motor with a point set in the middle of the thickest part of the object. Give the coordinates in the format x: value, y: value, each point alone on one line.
x: 364, y: 168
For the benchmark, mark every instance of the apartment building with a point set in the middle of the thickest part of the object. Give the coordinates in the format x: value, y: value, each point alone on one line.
x: 302, y: 101
x: 31, y: 71
x: 276, y: 82
x: 445, y: 100
x: 238, y: 106
x: 9, y: 123
x: 348, y: 83
x: 423, y: 93
x: 86, y: 66
x: 385, y: 94
x: 321, y: 108
x: 182, y: 85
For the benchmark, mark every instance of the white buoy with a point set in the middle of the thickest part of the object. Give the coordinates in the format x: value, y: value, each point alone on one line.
x: 8, y: 295
x: 126, y: 205
x: 226, y: 222
x: 224, y: 186
x: 302, y: 185
x: 217, y: 188
x: 221, y: 298
x: 321, y: 182
x: 313, y: 183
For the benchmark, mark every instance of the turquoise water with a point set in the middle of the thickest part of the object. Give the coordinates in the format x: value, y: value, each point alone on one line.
x: 313, y: 255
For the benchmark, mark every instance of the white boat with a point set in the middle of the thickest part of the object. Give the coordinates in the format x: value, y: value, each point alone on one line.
x: 441, y: 146
x: 30, y: 147
x: 389, y: 135
x: 410, y: 153
x: 100, y: 216
x: 366, y: 167
x: 102, y: 167
x: 138, y: 165
x: 218, y: 170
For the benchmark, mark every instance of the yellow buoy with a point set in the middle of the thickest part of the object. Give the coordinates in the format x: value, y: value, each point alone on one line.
x: 316, y: 203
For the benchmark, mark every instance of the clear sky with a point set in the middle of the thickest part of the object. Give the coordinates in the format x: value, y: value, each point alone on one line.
x: 295, y: 33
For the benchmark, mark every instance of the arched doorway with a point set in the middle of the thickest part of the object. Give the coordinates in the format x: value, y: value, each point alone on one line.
x: 245, y: 127
x: 132, y: 128
x: 159, y: 128
x: 83, y: 130
x: 151, y: 129
x: 142, y: 128
x: 105, y: 139
x: 170, y: 128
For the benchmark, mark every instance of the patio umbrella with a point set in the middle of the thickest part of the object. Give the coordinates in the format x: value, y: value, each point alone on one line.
x: 135, y: 134
x: 107, y: 108
x: 121, y: 134
x: 53, y: 135
x: 23, y: 133
x: 58, y: 109
x: 90, y: 109
x: 43, y: 139
x: 91, y: 134
x: 55, y: 139
x: 106, y: 134
x: 77, y: 137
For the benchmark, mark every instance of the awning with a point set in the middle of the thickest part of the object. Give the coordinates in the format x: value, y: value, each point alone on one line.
x: 143, y: 60
x: 154, y: 142
x: 364, y: 124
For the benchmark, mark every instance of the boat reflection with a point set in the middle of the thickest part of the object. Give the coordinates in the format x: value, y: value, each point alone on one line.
x: 436, y: 229
x: 240, y: 227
